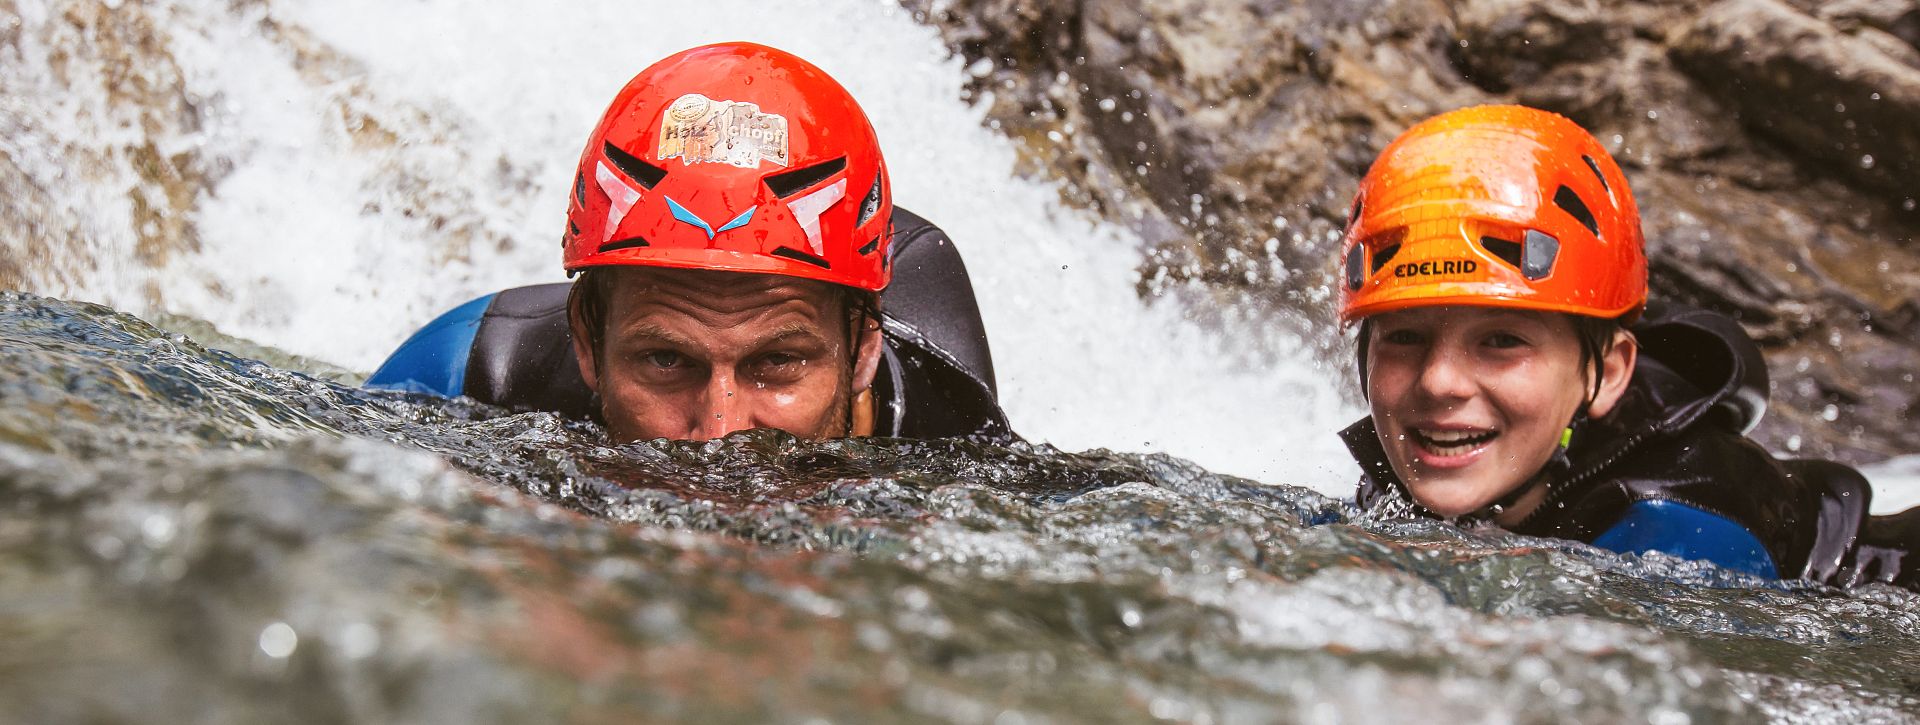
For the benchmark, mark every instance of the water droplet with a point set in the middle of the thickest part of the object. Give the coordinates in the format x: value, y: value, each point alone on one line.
x: 1107, y: 104
x: 1056, y: 137
x: 1866, y: 161
x: 1830, y: 413
x: 359, y: 640
x: 158, y: 529
x: 279, y: 640
x: 1839, y: 108
x: 1653, y: 115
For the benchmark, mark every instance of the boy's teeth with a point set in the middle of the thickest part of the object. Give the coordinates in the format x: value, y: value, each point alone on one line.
x: 1451, y: 443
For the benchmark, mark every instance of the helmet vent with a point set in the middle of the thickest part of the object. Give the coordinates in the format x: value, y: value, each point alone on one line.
x: 1595, y: 166
x: 647, y: 174
x: 795, y: 254
x: 1571, y: 204
x: 1509, y: 251
x: 1384, y: 255
x: 871, y: 205
x: 1541, y: 250
x: 1353, y: 214
x: 580, y: 190
x: 788, y: 183
x: 870, y: 246
x: 1534, y: 259
x: 1356, y: 266
x: 628, y: 243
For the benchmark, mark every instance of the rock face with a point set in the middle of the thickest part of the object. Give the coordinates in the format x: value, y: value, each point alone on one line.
x: 1774, y: 148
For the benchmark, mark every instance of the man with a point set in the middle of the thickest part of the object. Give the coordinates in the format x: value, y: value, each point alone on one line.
x: 740, y: 265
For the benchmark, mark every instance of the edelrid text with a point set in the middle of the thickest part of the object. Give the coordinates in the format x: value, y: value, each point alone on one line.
x: 1446, y: 266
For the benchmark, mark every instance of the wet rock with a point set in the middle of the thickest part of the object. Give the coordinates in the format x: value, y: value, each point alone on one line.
x: 1508, y: 43
x: 1846, y: 101
x: 1231, y: 134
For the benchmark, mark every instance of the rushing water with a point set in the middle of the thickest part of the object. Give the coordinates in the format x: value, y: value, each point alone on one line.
x: 191, y: 535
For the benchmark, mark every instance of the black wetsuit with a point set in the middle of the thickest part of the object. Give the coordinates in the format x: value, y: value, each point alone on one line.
x: 514, y: 348
x: 1670, y: 470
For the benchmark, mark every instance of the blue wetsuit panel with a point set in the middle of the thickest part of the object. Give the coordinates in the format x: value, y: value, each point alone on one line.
x: 434, y: 360
x: 1689, y: 533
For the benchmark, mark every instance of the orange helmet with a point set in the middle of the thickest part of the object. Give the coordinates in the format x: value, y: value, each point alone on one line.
x: 1501, y: 206
x: 734, y: 157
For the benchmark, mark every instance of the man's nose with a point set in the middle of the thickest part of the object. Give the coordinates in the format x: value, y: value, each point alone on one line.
x: 725, y: 410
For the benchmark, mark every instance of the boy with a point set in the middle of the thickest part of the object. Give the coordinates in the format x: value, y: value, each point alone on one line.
x: 1517, y: 375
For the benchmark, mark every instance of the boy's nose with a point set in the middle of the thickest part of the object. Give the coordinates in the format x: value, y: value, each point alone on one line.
x: 1445, y: 375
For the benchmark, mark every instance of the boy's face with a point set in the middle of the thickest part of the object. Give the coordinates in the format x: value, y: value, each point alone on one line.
x: 695, y: 355
x: 1470, y: 402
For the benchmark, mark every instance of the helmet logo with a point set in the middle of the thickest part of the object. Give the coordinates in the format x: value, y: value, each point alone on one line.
x: 807, y: 209
x: 621, y: 196
x: 699, y: 130
x: 684, y: 215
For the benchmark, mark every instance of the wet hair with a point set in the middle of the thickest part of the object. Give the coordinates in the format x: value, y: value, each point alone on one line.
x: 1596, y: 336
x: 592, y: 295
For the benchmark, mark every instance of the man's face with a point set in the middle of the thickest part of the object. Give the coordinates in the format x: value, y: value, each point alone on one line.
x: 695, y: 355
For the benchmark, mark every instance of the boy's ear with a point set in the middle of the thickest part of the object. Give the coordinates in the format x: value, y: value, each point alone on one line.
x: 1616, y: 370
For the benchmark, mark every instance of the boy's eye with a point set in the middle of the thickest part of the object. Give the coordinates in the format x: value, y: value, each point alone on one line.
x: 1402, y: 337
x: 1504, y: 340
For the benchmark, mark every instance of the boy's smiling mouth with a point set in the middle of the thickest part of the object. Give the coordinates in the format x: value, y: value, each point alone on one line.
x: 1450, y: 443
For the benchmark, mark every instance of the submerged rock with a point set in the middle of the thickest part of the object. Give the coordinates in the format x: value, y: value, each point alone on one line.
x: 1774, y: 147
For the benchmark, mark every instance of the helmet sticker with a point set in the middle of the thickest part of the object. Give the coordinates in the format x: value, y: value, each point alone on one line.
x: 807, y: 209
x: 622, y: 196
x: 698, y: 130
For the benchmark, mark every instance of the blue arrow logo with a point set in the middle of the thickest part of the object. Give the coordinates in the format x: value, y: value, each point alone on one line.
x: 681, y: 213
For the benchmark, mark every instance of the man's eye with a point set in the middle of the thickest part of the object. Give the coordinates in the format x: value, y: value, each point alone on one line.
x: 665, y: 359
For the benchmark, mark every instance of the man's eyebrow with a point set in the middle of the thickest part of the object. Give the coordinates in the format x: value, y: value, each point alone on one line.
x: 651, y: 331
x: 789, y: 331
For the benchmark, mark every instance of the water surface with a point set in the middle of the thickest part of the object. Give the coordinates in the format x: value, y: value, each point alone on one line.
x: 194, y: 536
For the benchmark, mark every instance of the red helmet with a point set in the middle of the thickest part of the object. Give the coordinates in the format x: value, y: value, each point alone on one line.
x: 1499, y: 206
x: 734, y: 157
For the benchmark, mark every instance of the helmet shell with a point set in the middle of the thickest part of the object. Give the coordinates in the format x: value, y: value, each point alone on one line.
x: 1497, y: 206
x: 735, y: 157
